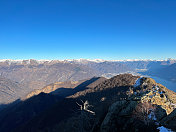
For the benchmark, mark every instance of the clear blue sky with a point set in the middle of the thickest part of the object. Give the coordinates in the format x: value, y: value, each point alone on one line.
x: 71, y: 29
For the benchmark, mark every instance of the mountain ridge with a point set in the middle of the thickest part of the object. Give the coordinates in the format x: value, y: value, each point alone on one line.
x: 34, y: 74
x: 29, y: 61
x: 129, y: 93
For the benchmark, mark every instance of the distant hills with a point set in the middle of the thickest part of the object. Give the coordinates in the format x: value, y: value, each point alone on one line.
x: 121, y: 103
x: 9, y: 90
x: 30, y: 75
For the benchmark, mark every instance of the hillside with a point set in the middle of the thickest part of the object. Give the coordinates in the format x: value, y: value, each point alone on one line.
x: 67, y: 88
x: 31, y: 107
x: 30, y: 75
x: 9, y: 90
x: 138, y: 103
x: 23, y: 111
x: 36, y: 75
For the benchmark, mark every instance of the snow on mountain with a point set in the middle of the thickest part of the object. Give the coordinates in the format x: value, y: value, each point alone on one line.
x: 82, y: 61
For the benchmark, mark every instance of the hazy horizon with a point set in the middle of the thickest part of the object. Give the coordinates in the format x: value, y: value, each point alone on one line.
x: 96, y: 59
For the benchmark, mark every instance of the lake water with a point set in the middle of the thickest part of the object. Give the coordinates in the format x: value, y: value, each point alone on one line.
x: 169, y: 84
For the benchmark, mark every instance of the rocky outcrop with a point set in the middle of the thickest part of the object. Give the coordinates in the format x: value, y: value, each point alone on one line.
x: 147, y: 107
x: 150, y: 91
x: 118, y: 114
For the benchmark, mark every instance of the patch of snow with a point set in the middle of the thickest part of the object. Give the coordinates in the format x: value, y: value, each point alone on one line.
x: 145, y: 84
x: 85, y: 60
x: 157, y: 88
x: 28, y: 61
x: 81, y: 60
x: 163, y: 129
x: 138, y: 82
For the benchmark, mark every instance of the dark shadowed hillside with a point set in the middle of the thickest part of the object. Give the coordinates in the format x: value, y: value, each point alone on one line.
x: 17, y: 114
x: 25, y: 110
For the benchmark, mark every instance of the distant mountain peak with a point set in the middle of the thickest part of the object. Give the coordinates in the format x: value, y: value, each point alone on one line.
x: 81, y: 60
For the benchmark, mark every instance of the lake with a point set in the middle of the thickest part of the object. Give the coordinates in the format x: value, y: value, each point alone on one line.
x: 169, y: 84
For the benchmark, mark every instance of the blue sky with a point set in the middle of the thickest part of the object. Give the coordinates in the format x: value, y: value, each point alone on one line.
x: 72, y: 29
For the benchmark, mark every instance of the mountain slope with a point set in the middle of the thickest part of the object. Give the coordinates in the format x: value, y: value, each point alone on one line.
x: 67, y: 88
x: 122, y: 95
x: 35, y: 75
x: 31, y: 75
x: 22, y: 112
x: 25, y: 110
x: 9, y: 90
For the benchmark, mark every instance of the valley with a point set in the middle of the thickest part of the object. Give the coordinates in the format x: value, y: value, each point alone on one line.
x: 36, y: 74
x: 52, y: 95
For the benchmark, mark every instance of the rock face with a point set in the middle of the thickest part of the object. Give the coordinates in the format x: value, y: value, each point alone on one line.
x: 146, y: 99
x: 117, y: 114
x: 155, y: 93
x: 131, y: 115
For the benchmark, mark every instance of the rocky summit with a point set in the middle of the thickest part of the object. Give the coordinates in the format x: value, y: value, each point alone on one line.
x: 149, y: 104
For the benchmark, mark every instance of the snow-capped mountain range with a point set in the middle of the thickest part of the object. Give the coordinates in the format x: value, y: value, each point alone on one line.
x: 82, y: 61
